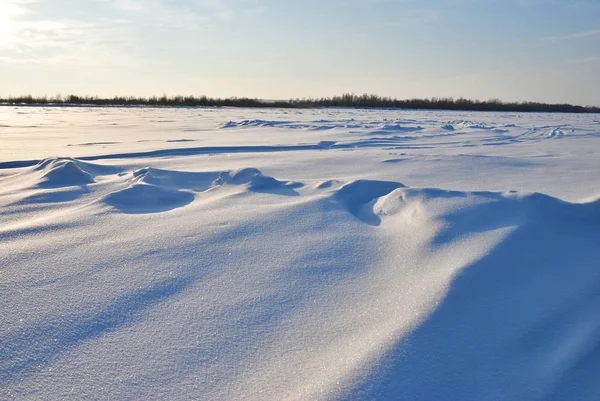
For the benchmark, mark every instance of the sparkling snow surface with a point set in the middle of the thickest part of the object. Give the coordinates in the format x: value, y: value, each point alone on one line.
x: 242, y: 254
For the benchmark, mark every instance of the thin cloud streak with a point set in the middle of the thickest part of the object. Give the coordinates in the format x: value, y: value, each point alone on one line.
x: 584, y: 60
x: 577, y: 35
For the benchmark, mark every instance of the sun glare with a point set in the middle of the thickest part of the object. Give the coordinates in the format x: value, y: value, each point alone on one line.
x: 7, y: 12
x: 5, y: 24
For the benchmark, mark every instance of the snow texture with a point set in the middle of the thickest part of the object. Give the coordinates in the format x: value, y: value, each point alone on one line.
x: 248, y: 254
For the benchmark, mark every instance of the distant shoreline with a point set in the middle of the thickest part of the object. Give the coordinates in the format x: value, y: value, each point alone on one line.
x: 344, y: 101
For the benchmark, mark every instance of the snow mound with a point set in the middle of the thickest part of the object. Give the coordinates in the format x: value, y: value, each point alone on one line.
x: 448, y: 127
x: 143, y: 198
x: 555, y: 133
x: 53, y: 180
x: 472, y: 125
x: 261, y: 182
x: 539, y: 134
x: 62, y: 172
x: 239, y: 177
x: 521, y: 312
x: 389, y: 129
x: 327, y: 184
x: 153, y: 190
x: 258, y: 123
x: 356, y: 195
x: 193, y: 181
x: 257, y: 182
x: 486, y: 208
x: 252, y: 123
x: 399, y: 127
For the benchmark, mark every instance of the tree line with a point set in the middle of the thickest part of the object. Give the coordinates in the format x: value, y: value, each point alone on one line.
x: 346, y: 100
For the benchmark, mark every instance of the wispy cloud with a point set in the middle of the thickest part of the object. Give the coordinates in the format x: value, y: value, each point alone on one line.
x: 593, y: 4
x: 183, y: 14
x: 584, y: 60
x: 30, y: 36
x: 101, y: 32
x: 577, y: 35
x: 567, y: 4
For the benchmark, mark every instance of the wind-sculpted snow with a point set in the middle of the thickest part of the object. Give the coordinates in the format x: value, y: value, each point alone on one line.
x: 58, y: 173
x: 155, y: 191
x: 144, y: 198
x: 299, y: 255
x: 355, y: 195
x: 520, y: 315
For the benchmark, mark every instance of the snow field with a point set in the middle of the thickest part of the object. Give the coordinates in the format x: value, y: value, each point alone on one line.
x: 302, y: 255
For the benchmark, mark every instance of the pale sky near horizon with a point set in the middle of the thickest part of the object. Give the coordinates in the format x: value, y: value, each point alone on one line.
x: 541, y: 50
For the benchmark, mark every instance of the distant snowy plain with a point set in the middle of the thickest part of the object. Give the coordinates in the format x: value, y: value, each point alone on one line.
x: 267, y: 254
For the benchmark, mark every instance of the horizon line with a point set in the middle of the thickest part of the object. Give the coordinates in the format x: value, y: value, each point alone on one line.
x: 350, y: 100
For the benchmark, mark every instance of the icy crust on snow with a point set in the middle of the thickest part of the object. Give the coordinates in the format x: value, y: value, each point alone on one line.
x: 335, y: 265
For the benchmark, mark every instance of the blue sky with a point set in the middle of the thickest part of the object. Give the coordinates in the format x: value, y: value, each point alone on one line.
x: 511, y: 49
